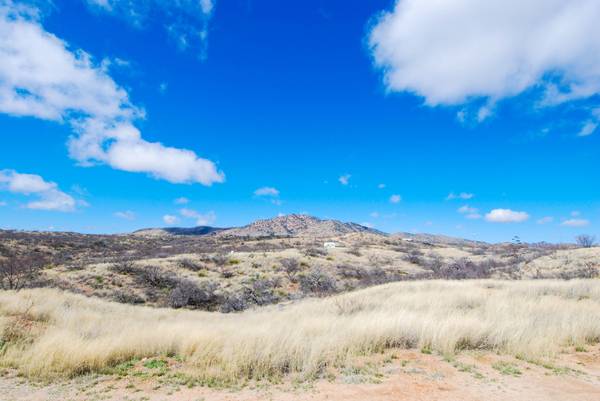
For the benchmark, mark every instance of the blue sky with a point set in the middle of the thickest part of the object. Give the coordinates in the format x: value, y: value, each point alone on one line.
x: 373, y: 112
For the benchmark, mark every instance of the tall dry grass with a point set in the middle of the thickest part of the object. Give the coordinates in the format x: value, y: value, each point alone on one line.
x: 48, y: 333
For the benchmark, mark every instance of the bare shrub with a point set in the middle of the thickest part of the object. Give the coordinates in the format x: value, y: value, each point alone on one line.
x: 127, y: 297
x: 315, y: 252
x: 18, y: 271
x: 189, y: 264
x: 187, y: 293
x: 317, y: 281
x: 415, y: 257
x: 355, y: 250
x: 154, y: 276
x: 291, y: 267
x: 465, y: 269
x: 124, y: 266
x: 585, y: 240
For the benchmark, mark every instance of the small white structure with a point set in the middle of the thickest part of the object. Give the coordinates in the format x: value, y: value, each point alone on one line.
x: 407, y: 239
x: 329, y: 245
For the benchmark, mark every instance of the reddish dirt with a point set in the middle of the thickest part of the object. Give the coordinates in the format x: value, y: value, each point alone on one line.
x: 412, y: 375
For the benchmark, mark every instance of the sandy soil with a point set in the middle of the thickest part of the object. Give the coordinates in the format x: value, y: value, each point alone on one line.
x: 410, y: 375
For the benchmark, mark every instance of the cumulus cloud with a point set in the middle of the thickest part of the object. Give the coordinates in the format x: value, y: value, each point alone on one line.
x: 170, y: 219
x: 41, y: 77
x: 455, y: 52
x: 126, y: 215
x: 506, y: 216
x: 49, y: 196
x: 575, y: 223
x: 344, y: 179
x: 202, y: 219
x: 462, y: 195
x: 186, y: 21
x: 395, y: 199
x: 267, y: 191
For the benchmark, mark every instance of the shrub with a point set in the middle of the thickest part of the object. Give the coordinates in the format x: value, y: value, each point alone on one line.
x: 127, y: 298
x: 291, y: 267
x: 187, y: 293
x: 124, y: 266
x: 18, y: 271
x: 355, y: 250
x: 315, y: 252
x: 585, y: 240
x: 154, y: 276
x: 190, y: 265
x: 317, y: 281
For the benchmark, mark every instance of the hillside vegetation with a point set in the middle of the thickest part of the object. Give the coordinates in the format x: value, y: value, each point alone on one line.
x: 47, y: 333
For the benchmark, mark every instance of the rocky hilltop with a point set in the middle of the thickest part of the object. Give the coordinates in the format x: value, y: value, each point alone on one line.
x: 297, y: 225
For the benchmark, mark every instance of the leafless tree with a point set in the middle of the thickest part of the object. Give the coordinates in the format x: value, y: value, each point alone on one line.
x: 585, y: 240
x: 17, y: 271
x: 291, y: 267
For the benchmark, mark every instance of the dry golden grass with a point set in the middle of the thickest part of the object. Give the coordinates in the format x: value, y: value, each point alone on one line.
x: 47, y: 333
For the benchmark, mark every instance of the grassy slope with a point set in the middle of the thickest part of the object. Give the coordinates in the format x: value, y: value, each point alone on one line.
x: 47, y: 333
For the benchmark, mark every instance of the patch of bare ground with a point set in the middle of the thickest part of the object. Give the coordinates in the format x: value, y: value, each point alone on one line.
x: 396, y: 375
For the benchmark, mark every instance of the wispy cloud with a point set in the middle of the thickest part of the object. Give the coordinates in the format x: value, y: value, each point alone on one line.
x: 126, y: 215
x: 181, y: 201
x: 170, y: 219
x: 462, y: 195
x: 267, y: 191
x: 344, y: 179
x: 469, y: 212
x: 395, y: 199
x: 186, y: 21
x: 575, y: 223
x: 545, y: 220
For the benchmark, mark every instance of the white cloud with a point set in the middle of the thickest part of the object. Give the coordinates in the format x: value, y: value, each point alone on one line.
x: 41, y: 77
x: 395, y: 199
x: 50, y: 197
x: 186, y: 21
x: 344, y: 179
x: 467, y: 209
x: 545, y: 220
x: 575, y: 223
x: 374, y: 215
x: 470, y: 213
x: 457, y: 52
x: 462, y: 195
x: 575, y: 213
x: 267, y: 191
x: 181, y: 201
x: 126, y: 215
x: 170, y: 219
x: 381, y: 186
x: 202, y: 219
x: 2, y: 203
x: 506, y: 216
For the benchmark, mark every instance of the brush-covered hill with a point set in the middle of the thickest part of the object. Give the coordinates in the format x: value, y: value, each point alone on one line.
x: 297, y: 225
x: 293, y: 225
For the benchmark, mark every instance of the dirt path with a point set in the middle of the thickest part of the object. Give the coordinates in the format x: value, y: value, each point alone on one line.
x: 410, y: 375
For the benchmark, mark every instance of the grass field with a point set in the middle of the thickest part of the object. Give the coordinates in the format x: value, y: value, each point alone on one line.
x: 47, y: 333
